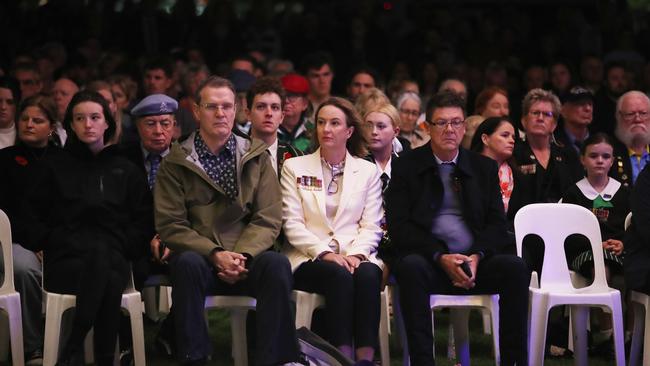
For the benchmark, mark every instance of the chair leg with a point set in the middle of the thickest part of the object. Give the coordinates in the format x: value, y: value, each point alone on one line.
x: 304, y: 310
x: 487, y: 322
x: 459, y: 320
x: 16, y: 330
x: 238, y: 329
x: 538, y: 318
x: 639, y: 314
x: 384, y: 322
x: 137, y: 330
x: 53, y: 317
x: 494, y: 315
x: 617, y: 325
x: 580, y: 316
x: 150, y: 303
x: 89, y: 347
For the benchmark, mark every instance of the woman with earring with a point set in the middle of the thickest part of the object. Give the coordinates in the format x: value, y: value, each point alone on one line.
x: 21, y: 164
x: 332, y: 209
x: 91, y: 213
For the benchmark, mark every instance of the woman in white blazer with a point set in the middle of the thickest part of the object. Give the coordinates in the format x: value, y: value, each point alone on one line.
x: 332, y: 209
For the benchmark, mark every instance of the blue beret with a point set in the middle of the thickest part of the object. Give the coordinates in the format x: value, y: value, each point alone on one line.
x: 154, y: 105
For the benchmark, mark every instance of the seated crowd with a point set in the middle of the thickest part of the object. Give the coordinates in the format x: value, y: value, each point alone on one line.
x: 261, y: 185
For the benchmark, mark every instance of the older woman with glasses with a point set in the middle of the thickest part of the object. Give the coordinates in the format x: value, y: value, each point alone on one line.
x: 551, y: 168
x: 332, y: 209
x: 409, y: 106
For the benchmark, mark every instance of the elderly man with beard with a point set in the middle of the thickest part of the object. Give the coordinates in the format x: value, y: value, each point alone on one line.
x: 632, y: 153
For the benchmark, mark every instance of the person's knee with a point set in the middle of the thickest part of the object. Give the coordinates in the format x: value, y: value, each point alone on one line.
x: 368, y: 274
x: 275, y: 268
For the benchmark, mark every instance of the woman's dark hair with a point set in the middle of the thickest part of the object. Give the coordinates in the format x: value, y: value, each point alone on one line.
x: 487, y: 127
x: 594, y: 139
x: 8, y: 82
x: 358, y: 142
x: 89, y: 96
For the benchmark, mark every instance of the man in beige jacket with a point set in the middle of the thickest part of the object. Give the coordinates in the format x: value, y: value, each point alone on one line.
x: 218, y: 207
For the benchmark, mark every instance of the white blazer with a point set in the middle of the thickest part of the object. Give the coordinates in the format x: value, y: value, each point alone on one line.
x: 355, y: 227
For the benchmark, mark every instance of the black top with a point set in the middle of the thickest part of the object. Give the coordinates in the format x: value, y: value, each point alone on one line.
x: 637, y: 237
x: 20, y: 166
x: 548, y: 185
x: 81, y: 197
x: 415, y: 194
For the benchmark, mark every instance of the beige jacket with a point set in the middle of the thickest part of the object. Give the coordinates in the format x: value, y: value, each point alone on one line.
x: 193, y: 213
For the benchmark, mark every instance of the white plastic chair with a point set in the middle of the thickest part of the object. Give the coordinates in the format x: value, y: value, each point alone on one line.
x: 57, y: 304
x: 10, y: 300
x: 238, y: 307
x: 156, y: 303
x: 554, y: 223
x: 307, y: 302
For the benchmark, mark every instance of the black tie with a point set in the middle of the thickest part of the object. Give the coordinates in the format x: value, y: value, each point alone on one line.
x: 384, y: 181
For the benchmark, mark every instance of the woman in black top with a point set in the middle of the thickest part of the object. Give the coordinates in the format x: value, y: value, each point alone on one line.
x: 551, y: 169
x: 21, y: 164
x: 91, y: 213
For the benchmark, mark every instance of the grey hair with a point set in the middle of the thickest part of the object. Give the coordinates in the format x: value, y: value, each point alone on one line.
x: 541, y: 95
x: 408, y: 95
x: 620, y: 100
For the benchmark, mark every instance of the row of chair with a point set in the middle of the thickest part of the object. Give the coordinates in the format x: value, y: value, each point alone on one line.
x: 554, y: 288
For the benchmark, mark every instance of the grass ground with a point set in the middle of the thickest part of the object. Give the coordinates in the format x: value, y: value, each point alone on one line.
x: 480, y: 344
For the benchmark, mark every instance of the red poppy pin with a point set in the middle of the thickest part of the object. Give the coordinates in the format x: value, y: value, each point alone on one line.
x: 21, y: 160
x: 286, y: 155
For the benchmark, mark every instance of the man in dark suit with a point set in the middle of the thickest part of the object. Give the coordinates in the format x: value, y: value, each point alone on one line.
x: 155, y: 121
x: 444, y: 209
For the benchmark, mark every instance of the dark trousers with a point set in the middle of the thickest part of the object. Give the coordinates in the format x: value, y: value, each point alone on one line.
x: 98, y: 279
x: 269, y: 281
x: 505, y: 275
x: 352, y: 300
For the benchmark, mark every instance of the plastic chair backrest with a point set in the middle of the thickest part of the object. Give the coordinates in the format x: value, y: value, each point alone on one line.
x: 6, y: 244
x: 628, y: 220
x: 554, y: 222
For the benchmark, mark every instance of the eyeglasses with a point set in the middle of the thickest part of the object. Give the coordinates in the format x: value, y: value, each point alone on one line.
x: 337, y: 171
x: 212, y: 107
x: 442, y: 124
x: 410, y: 112
x: 165, y: 124
x: 543, y: 114
x: 631, y: 116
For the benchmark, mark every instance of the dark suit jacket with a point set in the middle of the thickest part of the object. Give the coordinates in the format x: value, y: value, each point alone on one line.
x: 133, y: 152
x: 637, y: 238
x: 415, y: 193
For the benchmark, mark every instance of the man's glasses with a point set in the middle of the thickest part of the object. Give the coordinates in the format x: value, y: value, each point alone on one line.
x: 543, y: 114
x: 631, y: 116
x: 455, y: 123
x: 213, y: 107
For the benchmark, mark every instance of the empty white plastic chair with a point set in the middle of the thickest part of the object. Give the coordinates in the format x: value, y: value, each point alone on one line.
x: 156, y: 303
x: 307, y: 302
x: 10, y: 299
x: 554, y: 223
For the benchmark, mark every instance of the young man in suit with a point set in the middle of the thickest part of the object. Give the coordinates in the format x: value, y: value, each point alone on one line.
x: 444, y: 210
x: 266, y: 99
